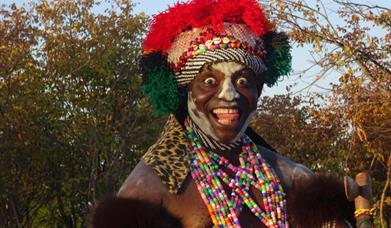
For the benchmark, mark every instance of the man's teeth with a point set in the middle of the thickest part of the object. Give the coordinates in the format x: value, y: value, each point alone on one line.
x: 225, y: 121
x: 225, y: 111
x: 226, y: 116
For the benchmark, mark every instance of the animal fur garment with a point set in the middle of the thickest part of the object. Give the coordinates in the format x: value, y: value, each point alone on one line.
x: 114, y: 212
x: 318, y: 200
x: 312, y: 203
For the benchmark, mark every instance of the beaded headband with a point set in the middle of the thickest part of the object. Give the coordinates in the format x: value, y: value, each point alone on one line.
x: 193, y: 48
x: 187, y: 36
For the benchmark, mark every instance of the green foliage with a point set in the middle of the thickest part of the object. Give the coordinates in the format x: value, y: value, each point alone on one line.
x: 72, y: 121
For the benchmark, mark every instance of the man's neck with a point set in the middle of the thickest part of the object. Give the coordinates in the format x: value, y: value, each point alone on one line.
x: 232, y: 154
x: 210, y: 143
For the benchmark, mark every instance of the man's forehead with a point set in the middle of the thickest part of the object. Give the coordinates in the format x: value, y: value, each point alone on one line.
x: 228, y: 68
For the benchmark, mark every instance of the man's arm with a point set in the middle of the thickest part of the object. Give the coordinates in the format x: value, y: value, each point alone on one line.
x: 287, y: 170
x: 143, y: 183
x: 138, y: 203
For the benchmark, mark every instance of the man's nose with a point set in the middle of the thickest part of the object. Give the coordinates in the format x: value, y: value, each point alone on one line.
x: 228, y: 91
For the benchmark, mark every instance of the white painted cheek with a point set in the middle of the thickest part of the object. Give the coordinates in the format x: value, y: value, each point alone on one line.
x: 200, y: 119
x: 228, y: 91
x: 245, y: 125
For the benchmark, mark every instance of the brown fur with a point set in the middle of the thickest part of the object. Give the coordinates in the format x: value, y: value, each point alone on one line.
x: 114, y: 212
x: 317, y: 200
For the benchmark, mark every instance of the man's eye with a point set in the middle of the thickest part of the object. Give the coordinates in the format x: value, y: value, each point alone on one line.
x: 210, y: 81
x: 242, y: 81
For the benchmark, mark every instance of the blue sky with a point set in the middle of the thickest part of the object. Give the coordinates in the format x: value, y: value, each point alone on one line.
x: 301, y: 57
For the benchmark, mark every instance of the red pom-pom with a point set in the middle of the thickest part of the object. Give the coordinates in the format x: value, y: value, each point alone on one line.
x: 199, y: 13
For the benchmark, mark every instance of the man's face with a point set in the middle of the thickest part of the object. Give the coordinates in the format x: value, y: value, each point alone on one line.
x: 222, y: 98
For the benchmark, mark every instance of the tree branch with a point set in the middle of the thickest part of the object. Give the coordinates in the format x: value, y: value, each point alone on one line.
x: 383, y: 195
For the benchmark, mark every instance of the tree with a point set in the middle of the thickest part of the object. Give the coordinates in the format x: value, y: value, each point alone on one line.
x: 352, y: 40
x: 290, y: 125
x: 72, y: 120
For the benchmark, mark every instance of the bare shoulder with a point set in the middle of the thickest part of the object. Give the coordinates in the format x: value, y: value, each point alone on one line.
x: 143, y: 183
x: 288, y: 170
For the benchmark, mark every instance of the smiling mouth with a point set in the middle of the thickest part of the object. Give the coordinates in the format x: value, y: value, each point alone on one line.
x: 226, y: 116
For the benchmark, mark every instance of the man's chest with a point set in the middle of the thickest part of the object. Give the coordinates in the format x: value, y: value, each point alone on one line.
x: 191, y: 209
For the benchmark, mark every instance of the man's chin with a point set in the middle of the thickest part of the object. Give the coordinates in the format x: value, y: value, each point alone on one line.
x: 226, y: 130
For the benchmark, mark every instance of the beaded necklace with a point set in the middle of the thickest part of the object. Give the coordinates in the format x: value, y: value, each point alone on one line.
x: 252, y: 171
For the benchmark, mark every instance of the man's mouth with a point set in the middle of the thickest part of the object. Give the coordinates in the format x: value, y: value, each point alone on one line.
x: 226, y: 116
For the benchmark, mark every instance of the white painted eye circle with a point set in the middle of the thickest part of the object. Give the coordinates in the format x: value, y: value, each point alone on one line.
x: 242, y: 81
x: 210, y: 81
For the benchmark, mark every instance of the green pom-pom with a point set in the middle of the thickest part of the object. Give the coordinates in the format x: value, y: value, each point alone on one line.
x: 162, y: 90
x: 278, y: 59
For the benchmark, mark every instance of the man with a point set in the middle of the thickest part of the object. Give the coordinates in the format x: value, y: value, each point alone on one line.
x: 205, y: 62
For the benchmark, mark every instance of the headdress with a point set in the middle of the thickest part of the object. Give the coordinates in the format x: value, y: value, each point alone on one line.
x: 188, y: 35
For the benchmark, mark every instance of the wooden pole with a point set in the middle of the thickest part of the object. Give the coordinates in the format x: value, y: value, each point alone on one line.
x: 364, y: 200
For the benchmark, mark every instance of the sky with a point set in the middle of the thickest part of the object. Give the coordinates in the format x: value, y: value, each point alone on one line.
x: 301, y: 59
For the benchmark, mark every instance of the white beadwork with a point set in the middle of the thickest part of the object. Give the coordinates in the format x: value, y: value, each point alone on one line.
x: 183, y: 41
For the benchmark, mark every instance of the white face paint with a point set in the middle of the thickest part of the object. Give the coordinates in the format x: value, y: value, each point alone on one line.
x: 199, y: 118
x: 227, y: 93
x: 244, y: 127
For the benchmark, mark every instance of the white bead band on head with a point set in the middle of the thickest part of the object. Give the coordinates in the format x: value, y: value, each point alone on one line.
x: 193, y: 48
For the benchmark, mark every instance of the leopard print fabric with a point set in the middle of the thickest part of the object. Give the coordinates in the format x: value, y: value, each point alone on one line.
x: 169, y: 157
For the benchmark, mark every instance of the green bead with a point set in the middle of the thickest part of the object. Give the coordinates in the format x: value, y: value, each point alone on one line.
x: 202, y: 50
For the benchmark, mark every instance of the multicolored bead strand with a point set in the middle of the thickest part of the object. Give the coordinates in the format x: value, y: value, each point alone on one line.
x: 208, y: 170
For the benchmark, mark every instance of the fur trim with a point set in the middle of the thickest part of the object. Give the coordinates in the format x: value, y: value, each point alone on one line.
x: 278, y: 57
x: 117, y: 212
x: 198, y: 13
x: 160, y: 84
x: 317, y: 200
